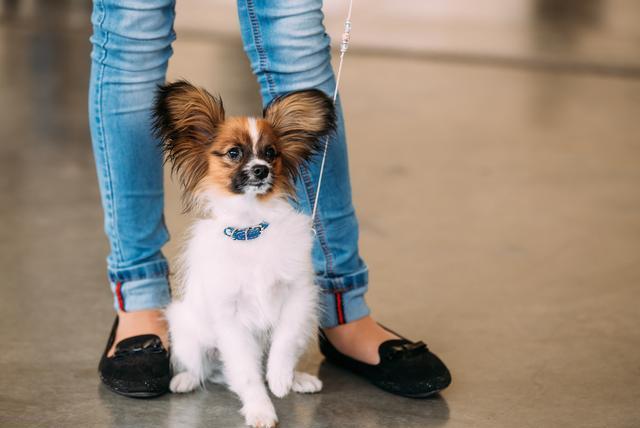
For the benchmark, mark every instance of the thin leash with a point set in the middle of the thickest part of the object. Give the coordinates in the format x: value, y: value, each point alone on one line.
x: 344, y: 45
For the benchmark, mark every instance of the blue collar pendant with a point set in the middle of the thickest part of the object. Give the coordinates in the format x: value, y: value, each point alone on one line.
x: 245, y: 233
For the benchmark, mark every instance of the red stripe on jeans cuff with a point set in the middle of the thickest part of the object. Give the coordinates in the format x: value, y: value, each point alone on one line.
x: 119, y: 295
x: 339, y: 308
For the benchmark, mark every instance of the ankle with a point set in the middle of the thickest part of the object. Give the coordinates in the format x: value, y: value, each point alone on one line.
x: 359, y: 339
x: 135, y: 323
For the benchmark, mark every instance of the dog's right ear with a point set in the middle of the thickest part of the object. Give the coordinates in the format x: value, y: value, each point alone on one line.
x: 186, y: 119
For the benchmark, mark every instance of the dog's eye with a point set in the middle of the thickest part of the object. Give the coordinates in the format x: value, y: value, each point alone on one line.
x: 270, y: 153
x: 234, y: 153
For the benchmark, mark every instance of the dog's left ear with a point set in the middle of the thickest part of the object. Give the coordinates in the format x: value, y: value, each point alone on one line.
x: 300, y: 120
x: 186, y: 119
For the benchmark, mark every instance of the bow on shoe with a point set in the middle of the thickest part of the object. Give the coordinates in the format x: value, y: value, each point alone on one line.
x: 152, y: 345
x: 406, y: 350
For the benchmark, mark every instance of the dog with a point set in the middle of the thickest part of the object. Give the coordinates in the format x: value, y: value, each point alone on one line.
x: 249, y: 304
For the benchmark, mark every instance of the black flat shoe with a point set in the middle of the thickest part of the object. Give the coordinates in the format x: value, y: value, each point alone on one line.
x: 406, y: 368
x: 139, y: 367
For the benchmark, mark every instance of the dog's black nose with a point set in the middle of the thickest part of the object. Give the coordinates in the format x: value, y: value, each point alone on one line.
x: 260, y: 171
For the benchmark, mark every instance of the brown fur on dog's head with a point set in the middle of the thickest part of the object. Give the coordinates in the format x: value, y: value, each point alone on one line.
x: 233, y: 155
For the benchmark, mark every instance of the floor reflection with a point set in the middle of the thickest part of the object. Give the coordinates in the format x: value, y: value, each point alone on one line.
x: 374, y: 407
x: 345, y: 401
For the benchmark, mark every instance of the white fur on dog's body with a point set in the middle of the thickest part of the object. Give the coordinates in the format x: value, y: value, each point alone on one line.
x: 244, y: 299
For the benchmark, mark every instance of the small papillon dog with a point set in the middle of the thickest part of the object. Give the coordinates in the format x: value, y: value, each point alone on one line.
x: 248, y: 303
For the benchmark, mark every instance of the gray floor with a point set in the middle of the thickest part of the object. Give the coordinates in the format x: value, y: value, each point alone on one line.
x: 495, y: 156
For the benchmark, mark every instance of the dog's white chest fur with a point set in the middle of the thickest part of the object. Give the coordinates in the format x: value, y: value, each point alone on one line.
x: 247, y: 280
x: 242, y: 300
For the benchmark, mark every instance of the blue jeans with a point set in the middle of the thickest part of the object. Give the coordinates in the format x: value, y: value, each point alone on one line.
x: 289, y: 50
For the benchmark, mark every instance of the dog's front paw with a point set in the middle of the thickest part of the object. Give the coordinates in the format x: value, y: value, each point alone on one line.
x: 260, y: 416
x: 184, y: 382
x: 306, y: 383
x: 280, y: 381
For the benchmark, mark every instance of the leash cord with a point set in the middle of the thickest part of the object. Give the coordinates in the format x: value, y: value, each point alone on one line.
x: 344, y: 45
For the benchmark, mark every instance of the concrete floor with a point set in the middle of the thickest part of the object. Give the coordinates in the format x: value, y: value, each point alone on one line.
x: 496, y: 177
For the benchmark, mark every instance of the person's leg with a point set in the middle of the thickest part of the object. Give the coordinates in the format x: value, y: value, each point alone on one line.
x: 131, y: 48
x: 289, y: 50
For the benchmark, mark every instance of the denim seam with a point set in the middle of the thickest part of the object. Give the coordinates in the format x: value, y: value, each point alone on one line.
x: 103, y: 18
x: 257, y: 41
x: 110, y: 210
x: 319, y: 227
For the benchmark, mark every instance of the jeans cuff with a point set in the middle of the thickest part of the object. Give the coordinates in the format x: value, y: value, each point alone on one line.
x: 143, y: 286
x: 341, y: 307
x: 330, y: 284
x: 151, y: 269
x: 140, y: 294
